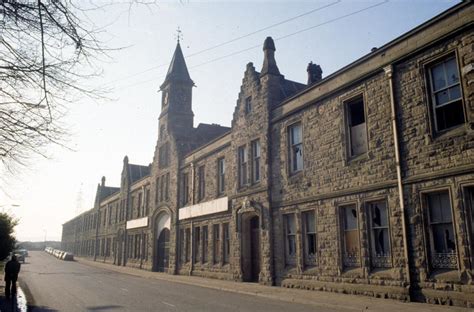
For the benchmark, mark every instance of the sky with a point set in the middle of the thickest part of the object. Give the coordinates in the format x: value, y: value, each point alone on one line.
x: 218, y: 39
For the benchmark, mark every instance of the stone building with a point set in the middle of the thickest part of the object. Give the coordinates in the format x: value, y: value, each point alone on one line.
x: 360, y: 182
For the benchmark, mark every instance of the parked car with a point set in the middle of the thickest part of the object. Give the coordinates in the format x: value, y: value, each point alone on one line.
x: 19, y: 256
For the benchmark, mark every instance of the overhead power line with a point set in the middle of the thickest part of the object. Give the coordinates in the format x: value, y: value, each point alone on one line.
x: 276, y: 39
x: 230, y: 41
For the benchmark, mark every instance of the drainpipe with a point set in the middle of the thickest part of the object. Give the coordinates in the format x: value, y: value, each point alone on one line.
x: 389, y: 72
x: 192, y: 183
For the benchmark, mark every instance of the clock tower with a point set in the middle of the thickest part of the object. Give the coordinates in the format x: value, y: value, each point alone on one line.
x: 176, y: 102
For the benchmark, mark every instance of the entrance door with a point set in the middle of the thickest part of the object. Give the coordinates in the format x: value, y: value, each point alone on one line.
x: 250, y: 248
x: 162, y: 247
x: 255, y: 248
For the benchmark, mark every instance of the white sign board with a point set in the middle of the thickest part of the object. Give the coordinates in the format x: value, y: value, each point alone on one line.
x: 137, y: 223
x: 201, y: 209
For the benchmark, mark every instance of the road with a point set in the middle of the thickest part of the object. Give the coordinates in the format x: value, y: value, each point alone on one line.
x: 55, y: 285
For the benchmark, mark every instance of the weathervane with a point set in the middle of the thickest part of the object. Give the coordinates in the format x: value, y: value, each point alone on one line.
x: 179, y: 34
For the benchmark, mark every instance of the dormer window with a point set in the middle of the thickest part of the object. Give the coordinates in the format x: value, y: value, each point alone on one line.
x: 248, y: 105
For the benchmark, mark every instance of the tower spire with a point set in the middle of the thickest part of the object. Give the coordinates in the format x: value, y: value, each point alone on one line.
x: 179, y: 35
x: 269, y: 63
x: 178, y: 71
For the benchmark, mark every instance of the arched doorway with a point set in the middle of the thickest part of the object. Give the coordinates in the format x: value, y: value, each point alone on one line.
x: 250, y: 248
x: 161, y: 245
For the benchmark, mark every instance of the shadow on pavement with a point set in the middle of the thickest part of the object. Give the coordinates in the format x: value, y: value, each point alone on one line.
x: 103, y: 308
x: 40, y: 309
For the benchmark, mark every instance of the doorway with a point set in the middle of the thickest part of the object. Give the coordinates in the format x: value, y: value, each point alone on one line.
x: 251, y: 248
x: 162, y: 247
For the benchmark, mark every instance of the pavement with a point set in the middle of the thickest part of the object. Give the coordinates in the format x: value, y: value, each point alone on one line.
x: 323, y: 300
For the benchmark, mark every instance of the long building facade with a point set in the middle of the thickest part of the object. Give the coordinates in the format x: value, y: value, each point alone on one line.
x: 360, y: 182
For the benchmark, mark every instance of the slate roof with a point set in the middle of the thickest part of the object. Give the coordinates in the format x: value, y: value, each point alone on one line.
x: 178, y: 71
x: 107, y: 191
x: 289, y: 88
x: 137, y: 172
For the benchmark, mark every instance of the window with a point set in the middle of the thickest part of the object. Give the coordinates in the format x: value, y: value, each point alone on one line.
x: 139, y: 206
x: 441, y: 231
x: 184, y: 188
x: 290, y: 232
x: 197, y: 244
x: 350, y: 226
x: 469, y: 200
x: 445, y: 92
x: 163, y: 155
x: 243, y: 166
x: 188, y: 245
x: 225, y: 227
x: 205, y: 244
x: 201, y: 183
x: 220, y: 176
x: 144, y: 246
x: 295, y: 147
x: 357, y: 129
x: 309, y: 221
x: 167, y: 186
x: 162, y: 188
x: 248, y: 105
x: 182, y: 255
x: 147, y: 201
x: 157, y: 190
x: 379, y: 235
x: 256, y: 161
x: 217, y: 244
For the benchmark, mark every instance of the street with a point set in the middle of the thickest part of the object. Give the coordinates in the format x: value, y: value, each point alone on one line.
x: 55, y: 285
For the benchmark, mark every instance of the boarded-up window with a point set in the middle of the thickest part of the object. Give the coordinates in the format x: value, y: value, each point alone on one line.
x: 357, y: 127
x: 442, y: 239
x: 351, y: 246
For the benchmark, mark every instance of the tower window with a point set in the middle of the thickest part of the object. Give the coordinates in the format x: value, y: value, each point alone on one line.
x: 248, y: 105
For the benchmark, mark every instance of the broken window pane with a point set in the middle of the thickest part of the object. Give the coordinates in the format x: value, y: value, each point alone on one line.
x: 442, y: 238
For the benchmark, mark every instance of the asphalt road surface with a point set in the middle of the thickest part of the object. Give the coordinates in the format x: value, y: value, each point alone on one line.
x: 55, y: 285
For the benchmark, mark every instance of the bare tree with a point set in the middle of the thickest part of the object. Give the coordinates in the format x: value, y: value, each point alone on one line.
x: 48, y: 52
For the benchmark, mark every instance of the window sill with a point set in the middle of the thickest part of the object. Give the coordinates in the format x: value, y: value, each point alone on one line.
x: 295, y: 177
x: 353, y: 272
x: 445, y: 276
x: 357, y: 159
x: 459, y: 130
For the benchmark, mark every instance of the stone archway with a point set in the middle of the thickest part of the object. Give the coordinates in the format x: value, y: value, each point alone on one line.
x: 161, y: 242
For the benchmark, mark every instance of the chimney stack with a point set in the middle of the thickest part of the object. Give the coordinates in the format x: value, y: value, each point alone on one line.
x: 315, y: 73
